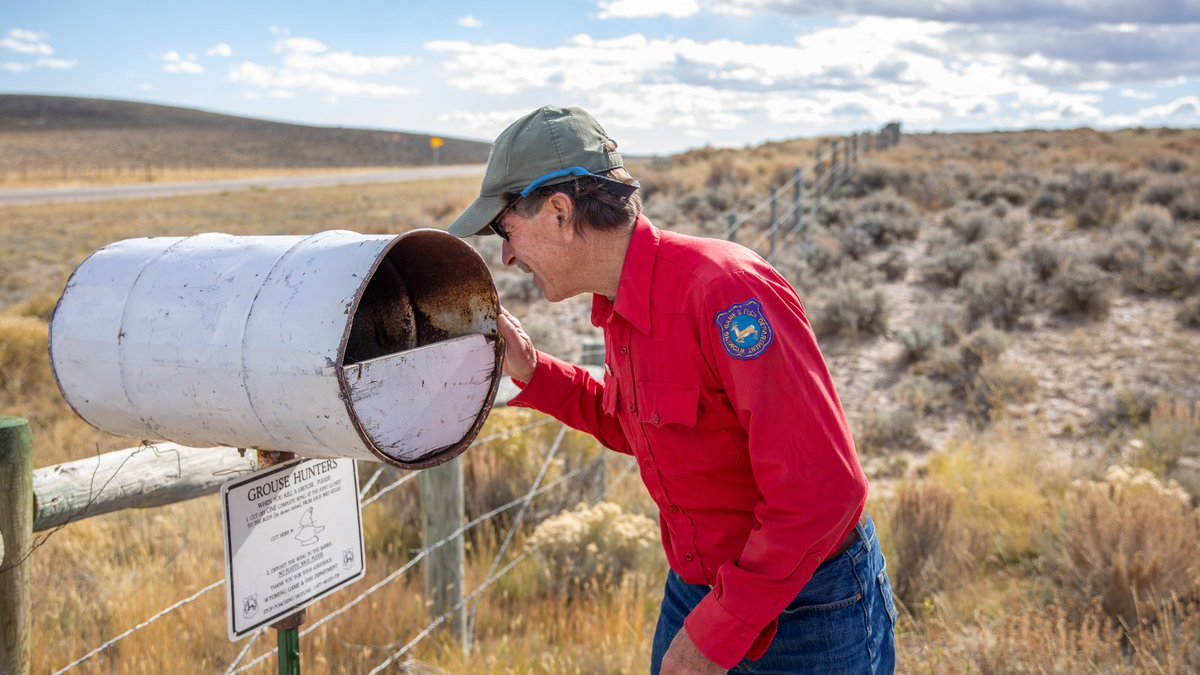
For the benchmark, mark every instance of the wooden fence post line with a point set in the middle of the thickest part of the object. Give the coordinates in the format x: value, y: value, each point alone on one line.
x: 817, y: 186
x: 16, y: 526
x: 443, y: 513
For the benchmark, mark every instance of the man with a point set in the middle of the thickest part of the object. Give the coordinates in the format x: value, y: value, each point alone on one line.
x: 714, y: 383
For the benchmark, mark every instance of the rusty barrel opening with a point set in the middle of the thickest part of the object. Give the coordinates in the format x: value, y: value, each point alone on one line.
x: 427, y: 295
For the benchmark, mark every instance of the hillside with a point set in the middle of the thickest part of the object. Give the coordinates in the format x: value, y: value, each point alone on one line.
x: 82, y: 135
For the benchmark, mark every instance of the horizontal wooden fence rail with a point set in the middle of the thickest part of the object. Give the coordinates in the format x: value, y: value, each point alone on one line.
x: 150, y: 475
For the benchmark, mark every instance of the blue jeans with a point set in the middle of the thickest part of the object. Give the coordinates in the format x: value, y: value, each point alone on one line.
x: 841, y: 622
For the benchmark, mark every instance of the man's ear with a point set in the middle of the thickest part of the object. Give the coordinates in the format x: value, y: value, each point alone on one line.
x: 561, y: 208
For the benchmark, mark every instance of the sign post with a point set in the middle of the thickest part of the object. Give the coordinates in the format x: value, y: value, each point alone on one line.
x: 436, y: 144
x: 293, y: 535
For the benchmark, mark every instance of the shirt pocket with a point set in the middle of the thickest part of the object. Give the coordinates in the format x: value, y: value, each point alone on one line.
x: 611, y: 389
x: 681, y: 442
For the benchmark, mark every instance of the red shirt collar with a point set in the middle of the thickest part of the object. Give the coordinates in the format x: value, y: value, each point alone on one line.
x: 633, y: 290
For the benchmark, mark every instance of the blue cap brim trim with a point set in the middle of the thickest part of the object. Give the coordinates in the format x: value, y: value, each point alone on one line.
x: 609, y: 185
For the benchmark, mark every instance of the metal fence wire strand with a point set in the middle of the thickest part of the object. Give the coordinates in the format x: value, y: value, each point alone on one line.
x: 186, y: 601
x: 520, y: 517
x: 492, y: 578
x: 396, y: 574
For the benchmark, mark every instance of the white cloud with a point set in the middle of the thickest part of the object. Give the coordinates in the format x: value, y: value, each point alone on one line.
x: 308, y: 64
x: 1138, y: 95
x: 145, y: 87
x: 469, y: 21
x: 56, y: 64
x: 219, y: 49
x: 22, y: 41
x: 643, y: 9
x: 1186, y: 107
x: 181, y: 65
x: 29, y: 43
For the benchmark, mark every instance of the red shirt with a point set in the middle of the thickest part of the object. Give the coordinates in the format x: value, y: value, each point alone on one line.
x: 714, y: 382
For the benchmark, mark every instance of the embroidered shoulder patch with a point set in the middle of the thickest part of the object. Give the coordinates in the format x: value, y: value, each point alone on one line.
x: 745, y: 332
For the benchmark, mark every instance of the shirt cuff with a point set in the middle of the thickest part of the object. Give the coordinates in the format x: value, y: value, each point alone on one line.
x: 723, y: 637
x: 540, y: 387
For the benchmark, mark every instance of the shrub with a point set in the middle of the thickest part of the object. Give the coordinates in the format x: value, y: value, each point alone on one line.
x: 924, y: 535
x: 1186, y: 207
x: 1082, y: 290
x: 883, y: 432
x: 1129, y: 540
x: 851, y: 309
x: 1171, y: 433
x: 855, y: 242
x: 1163, y: 190
x: 1014, y: 188
x: 1189, y: 314
x: 1099, y: 209
x: 1167, y: 164
x: 1045, y: 259
x: 873, y: 176
x: 894, y: 265
x: 24, y: 360
x: 1129, y: 408
x: 1050, y: 202
x: 949, y: 266
x: 1047, y: 640
x: 1003, y: 296
x: 599, y: 544
x: 1152, y: 221
x: 883, y: 229
x: 1115, y: 183
x: 998, y: 387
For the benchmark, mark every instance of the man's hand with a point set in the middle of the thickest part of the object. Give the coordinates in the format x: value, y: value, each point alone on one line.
x: 520, y: 356
x: 684, y: 658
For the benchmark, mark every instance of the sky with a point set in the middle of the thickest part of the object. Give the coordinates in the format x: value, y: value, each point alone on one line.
x: 661, y: 76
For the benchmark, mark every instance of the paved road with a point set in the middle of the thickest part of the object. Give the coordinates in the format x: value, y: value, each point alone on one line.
x: 21, y: 197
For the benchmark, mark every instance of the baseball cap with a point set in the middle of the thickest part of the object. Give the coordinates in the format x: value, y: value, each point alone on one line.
x: 548, y: 146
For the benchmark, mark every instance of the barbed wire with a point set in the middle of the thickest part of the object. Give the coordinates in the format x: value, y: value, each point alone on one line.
x: 396, y: 574
x: 186, y: 601
x: 245, y: 650
x: 520, y: 517
x: 491, y: 579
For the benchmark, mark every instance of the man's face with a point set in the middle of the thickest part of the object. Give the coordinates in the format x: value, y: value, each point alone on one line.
x: 541, y: 246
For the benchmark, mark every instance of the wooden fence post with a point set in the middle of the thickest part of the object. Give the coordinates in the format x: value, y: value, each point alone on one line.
x: 733, y: 227
x: 16, y: 525
x: 443, y: 513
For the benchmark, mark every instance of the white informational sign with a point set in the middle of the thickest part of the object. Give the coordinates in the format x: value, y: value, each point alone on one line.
x: 293, y: 534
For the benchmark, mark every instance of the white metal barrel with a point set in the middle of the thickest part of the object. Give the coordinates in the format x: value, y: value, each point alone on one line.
x: 330, y: 345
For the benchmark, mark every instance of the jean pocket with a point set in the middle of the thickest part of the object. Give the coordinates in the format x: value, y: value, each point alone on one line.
x: 798, y: 607
x: 885, y: 590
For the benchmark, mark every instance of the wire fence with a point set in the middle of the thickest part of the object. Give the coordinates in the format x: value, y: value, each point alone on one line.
x: 823, y: 184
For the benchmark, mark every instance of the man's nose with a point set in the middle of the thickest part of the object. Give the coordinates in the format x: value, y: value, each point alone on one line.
x: 506, y: 254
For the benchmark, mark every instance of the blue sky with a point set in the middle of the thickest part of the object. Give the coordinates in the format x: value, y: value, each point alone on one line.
x: 660, y: 75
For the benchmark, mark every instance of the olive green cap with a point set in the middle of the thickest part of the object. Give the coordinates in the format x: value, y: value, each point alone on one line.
x: 545, y: 141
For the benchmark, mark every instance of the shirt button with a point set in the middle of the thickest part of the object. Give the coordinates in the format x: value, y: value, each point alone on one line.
x: 624, y: 351
x: 632, y: 408
x: 689, y: 557
x: 672, y: 508
x: 656, y: 419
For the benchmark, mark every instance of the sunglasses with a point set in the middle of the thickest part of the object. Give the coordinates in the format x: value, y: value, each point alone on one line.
x: 497, y: 226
